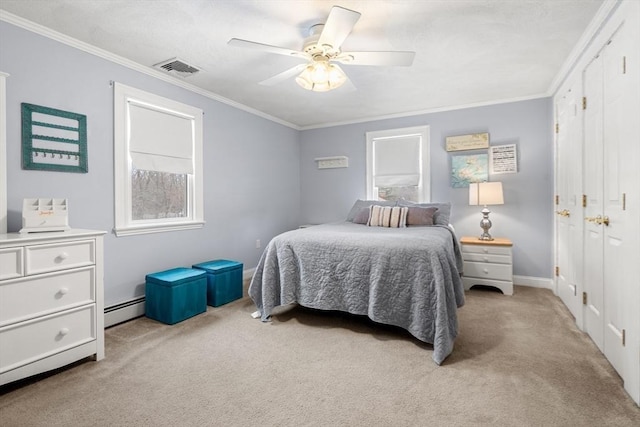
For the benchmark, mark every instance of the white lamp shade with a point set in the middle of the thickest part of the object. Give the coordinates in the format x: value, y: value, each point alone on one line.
x: 485, y: 193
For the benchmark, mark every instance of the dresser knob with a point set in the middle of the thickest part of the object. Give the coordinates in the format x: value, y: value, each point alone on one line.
x: 62, y: 257
x: 64, y: 331
x: 485, y: 250
x: 63, y: 291
x: 486, y: 271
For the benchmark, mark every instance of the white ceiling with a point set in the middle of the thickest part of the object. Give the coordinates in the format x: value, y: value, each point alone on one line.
x: 468, y: 52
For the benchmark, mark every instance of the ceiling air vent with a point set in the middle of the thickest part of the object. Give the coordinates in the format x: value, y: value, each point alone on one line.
x: 177, y: 67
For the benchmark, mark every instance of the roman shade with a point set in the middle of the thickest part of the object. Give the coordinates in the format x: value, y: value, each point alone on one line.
x: 160, y: 140
x: 397, y: 161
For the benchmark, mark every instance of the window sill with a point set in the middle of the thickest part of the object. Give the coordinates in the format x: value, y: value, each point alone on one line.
x: 156, y: 228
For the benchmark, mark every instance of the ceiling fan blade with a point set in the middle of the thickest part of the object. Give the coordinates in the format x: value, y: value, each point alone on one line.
x: 338, y: 26
x: 267, y: 48
x: 278, y: 78
x: 398, y: 58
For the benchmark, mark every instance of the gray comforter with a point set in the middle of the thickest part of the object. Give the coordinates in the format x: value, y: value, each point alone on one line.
x: 407, y: 277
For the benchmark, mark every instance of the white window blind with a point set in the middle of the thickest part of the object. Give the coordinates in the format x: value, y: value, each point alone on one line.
x: 160, y: 140
x: 397, y: 161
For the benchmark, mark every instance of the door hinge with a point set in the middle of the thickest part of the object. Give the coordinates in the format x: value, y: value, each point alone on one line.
x: 624, y: 201
x: 624, y: 65
x: 557, y: 271
x: 557, y: 199
x: 624, y: 337
x: 557, y: 128
x: 584, y: 200
x: 584, y: 298
x: 584, y: 102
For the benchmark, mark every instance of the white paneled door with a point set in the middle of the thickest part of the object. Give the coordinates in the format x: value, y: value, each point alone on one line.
x: 608, y: 128
x: 569, y: 200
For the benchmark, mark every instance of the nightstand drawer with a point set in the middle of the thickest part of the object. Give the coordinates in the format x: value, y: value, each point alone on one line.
x: 488, y: 271
x: 486, y: 249
x: 495, y: 259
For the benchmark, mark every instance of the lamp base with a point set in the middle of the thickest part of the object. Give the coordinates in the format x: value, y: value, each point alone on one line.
x: 485, y: 224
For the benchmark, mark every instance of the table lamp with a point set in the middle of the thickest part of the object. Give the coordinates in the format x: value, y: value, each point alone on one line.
x: 485, y: 193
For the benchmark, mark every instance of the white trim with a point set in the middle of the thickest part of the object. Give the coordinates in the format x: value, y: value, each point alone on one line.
x: 425, y: 171
x: 606, y: 9
x: 3, y: 152
x: 124, y: 224
x: 54, y: 35
x: 533, y: 282
x: 101, y: 53
x: 423, y: 112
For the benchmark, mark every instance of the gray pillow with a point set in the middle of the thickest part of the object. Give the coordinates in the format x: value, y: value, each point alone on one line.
x: 362, y: 217
x: 441, y: 217
x: 418, y: 215
x: 359, y: 204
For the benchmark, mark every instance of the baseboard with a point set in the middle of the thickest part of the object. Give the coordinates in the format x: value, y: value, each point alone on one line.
x: 534, y: 282
x: 129, y: 310
x: 124, y: 311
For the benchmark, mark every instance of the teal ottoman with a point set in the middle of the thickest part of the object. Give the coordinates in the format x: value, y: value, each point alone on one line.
x: 224, y: 281
x: 174, y: 295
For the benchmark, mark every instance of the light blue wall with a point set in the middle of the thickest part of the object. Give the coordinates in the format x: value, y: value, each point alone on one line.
x: 525, y: 218
x: 260, y: 177
x: 252, y: 175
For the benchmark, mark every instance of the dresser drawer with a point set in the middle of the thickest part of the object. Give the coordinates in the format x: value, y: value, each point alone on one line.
x: 495, y: 259
x: 27, y: 298
x: 11, y: 263
x: 482, y: 249
x: 59, y: 256
x: 27, y: 342
x: 488, y: 271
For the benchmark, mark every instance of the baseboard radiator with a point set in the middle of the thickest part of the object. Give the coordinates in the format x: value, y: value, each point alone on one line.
x: 135, y: 308
x: 124, y: 311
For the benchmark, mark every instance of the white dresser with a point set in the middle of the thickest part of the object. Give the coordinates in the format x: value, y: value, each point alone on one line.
x: 51, y: 301
x: 487, y: 263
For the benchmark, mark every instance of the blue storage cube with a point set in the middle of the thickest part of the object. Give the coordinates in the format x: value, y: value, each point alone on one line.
x: 224, y: 281
x: 174, y: 295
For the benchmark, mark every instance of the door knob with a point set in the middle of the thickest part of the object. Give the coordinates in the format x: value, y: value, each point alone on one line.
x: 605, y: 220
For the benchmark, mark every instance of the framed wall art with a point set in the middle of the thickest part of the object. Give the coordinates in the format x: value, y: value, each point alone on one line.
x: 53, y: 140
x: 466, y: 169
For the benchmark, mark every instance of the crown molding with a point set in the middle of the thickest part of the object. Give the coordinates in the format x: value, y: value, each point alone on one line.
x: 592, y: 30
x: 101, y: 53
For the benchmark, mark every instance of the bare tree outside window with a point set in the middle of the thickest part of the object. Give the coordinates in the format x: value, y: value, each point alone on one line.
x: 410, y: 193
x: 158, y: 195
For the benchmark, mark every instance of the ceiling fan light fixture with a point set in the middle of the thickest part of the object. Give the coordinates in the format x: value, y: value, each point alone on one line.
x: 321, y: 76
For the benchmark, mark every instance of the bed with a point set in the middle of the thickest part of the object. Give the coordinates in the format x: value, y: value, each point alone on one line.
x: 407, y: 276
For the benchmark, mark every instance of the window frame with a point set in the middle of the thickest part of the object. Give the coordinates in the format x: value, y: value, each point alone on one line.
x: 425, y: 166
x: 123, y: 165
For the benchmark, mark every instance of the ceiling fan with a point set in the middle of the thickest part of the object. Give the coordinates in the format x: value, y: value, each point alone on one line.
x: 321, y: 50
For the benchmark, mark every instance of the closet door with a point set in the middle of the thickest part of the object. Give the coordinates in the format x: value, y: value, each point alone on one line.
x: 593, y: 189
x: 609, y: 170
x: 569, y: 200
x: 619, y: 164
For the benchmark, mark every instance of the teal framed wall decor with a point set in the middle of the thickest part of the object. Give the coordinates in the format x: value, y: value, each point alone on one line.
x: 53, y: 140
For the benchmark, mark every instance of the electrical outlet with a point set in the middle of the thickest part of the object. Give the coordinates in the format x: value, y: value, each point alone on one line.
x: 258, y: 244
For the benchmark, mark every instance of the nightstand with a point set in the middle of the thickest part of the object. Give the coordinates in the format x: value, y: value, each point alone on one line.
x: 488, y: 263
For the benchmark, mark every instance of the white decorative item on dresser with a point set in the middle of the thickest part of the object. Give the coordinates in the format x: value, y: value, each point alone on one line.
x: 51, y: 301
x: 487, y: 263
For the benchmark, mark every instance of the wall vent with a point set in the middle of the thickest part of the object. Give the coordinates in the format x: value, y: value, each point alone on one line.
x: 177, y: 67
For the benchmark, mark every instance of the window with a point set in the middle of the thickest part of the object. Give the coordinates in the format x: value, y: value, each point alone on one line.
x: 398, y: 164
x: 158, y: 163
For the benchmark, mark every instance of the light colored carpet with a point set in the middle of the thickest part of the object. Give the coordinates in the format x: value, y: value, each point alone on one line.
x: 518, y: 361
